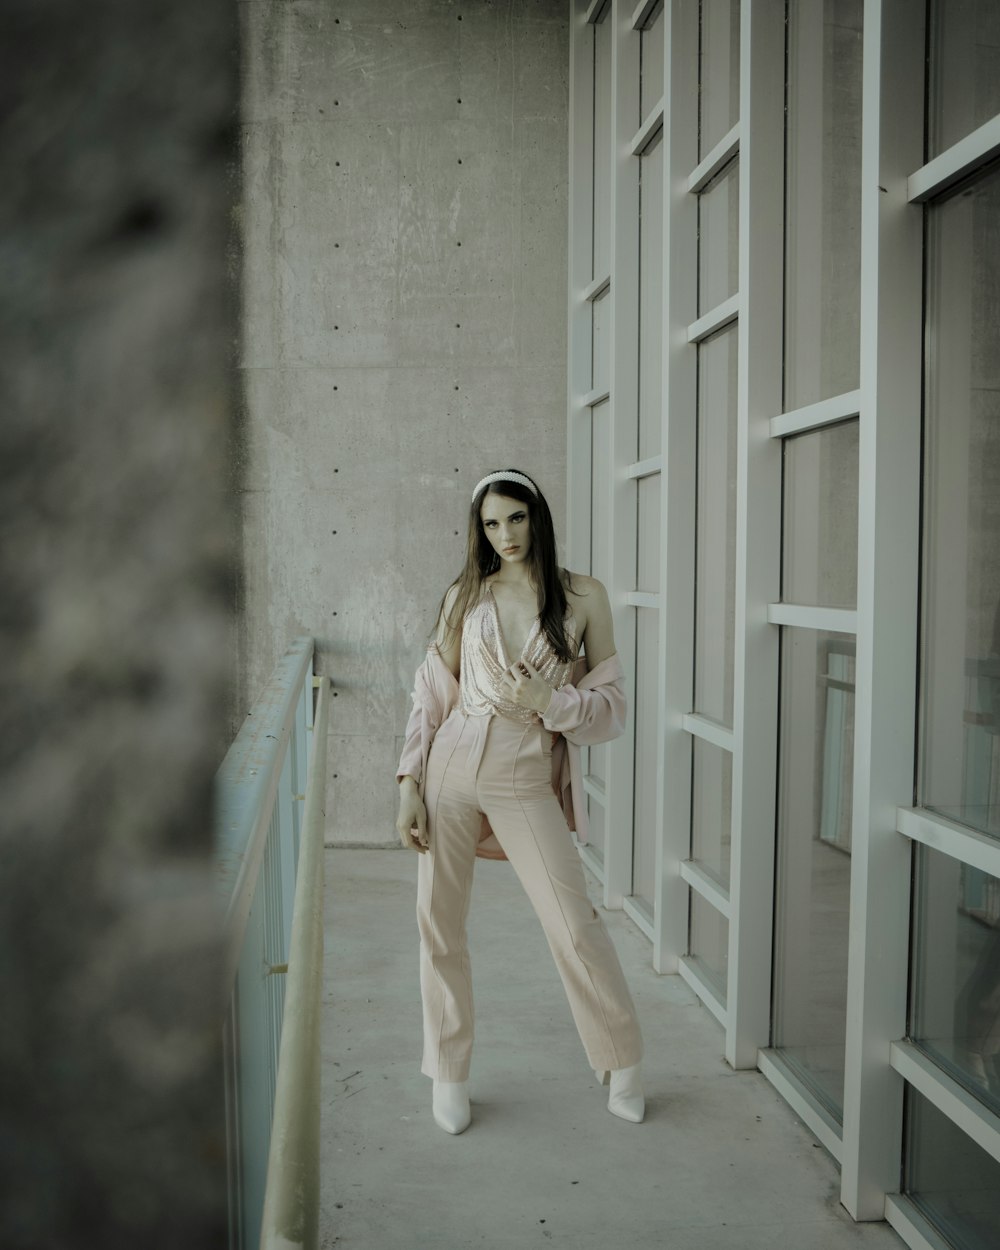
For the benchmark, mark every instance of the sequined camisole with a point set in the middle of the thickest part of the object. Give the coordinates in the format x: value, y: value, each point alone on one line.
x: 485, y: 660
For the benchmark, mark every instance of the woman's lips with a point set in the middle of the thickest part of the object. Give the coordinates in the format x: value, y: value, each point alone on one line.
x: 509, y: 551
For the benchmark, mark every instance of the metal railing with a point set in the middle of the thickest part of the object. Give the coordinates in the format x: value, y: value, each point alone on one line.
x: 269, y: 852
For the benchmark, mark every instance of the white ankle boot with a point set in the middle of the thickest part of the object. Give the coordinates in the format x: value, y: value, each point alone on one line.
x: 625, y: 1099
x: 450, y: 1104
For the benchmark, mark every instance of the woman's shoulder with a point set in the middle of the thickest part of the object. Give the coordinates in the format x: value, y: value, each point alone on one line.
x: 585, y: 597
x: 581, y: 586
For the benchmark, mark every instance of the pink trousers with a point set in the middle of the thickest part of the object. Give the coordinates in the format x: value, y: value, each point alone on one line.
x: 502, y: 768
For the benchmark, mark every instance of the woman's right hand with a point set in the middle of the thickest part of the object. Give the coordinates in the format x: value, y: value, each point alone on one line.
x: 411, y: 823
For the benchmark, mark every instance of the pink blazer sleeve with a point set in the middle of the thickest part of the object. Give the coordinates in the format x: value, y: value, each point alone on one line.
x: 592, y: 710
x: 435, y: 693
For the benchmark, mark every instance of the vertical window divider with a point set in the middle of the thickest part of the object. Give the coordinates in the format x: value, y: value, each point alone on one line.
x: 758, y: 526
x: 624, y: 417
x: 677, y: 483
x: 888, y: 568
x: 580, y: 261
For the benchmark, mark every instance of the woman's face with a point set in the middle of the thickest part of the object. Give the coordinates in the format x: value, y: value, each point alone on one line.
x: 508, y: 527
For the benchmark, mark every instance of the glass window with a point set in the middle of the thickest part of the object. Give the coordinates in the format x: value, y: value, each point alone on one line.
x: 651, y: 344
x: 961, y: 705
x: 820, y: 521
x: 954, y: 1182
x: 823, y: 201
x: 596, y: 823
x: 956, y: 971
x: 597, y: 763
x: 648, y: 571
x: 709, y: 942
x: 647, y: 703
x: 814, y: 867
x: 600, y: 311
x: 718, y: 239
x: 711, y: 809
x: 651, y: 53
x: 719, y: 72
x: 715, y: 543
x: 603, y: 149
x: 600, y: 503
x: 964, y: 78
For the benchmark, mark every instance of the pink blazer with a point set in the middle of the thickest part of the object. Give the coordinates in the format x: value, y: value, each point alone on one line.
x: 588, y: 710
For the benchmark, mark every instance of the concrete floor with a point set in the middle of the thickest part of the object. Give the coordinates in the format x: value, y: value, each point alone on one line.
x: 720, y: 1163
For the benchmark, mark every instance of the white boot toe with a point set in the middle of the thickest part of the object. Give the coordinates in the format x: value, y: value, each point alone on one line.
x: 450, y: 1104
x: 626, y: 1098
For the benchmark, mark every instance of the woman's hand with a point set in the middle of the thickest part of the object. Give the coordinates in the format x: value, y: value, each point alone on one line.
x: 525, y: 686
x: 411, y: 823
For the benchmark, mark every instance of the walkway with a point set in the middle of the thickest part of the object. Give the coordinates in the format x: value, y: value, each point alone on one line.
x: 721, y: 1163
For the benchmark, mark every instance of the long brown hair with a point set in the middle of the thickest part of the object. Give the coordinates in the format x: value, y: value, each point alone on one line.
x: 551, y: 582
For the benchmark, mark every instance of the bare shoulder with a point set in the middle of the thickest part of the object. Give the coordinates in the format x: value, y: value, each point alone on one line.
x: 592, y: 609
x: 583, y: 585
x: 585, y: 594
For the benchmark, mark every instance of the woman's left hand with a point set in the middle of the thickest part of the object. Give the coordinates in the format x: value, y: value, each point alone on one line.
x: 525, y: 686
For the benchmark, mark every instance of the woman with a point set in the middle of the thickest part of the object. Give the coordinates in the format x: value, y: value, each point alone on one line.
x: 485, y: 769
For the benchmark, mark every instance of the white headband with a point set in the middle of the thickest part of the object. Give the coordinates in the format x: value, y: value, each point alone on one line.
x: 509, y: 476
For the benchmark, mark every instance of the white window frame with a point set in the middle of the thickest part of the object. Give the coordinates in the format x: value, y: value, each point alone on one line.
x: 895, y: 184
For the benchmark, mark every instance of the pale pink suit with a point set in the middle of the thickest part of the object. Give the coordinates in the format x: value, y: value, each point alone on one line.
x: 497, y: 779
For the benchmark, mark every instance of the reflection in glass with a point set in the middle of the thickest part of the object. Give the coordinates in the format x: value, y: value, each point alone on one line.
x: 964, y: 75
x: 961, y: 705
x: 823, y: 201
x: 719, y: 72
x: 814, y: 865
x: 956, y: 971
x: 715, y: 542
x: 711, y: 809
x: 709, y: 942
x: 954, y: 1182
x: 820, y: 523
x: 646, y: 709
x: 718, y: 239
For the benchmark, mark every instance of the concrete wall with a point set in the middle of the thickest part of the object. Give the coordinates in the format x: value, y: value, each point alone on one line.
x: 405, y: 272
x: 117, y: 323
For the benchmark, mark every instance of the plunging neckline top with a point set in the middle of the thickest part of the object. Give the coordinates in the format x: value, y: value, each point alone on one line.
x: 504, y: 653
x: 485, y: 659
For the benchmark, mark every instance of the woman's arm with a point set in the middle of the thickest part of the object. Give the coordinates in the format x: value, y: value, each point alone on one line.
x: 598, y: 637
x: 593, y: 711
x: 411, y: 822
